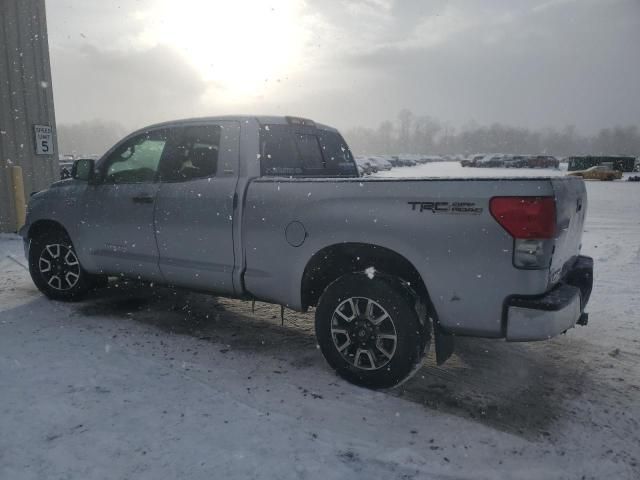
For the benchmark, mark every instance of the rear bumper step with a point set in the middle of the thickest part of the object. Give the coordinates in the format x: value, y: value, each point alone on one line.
x: 540, y: 317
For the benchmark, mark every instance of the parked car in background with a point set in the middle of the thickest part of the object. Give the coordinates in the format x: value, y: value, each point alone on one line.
x: 436, y: 158
x: 543, y: 161
x: 617, y: 162
x: 365, y: 167
x: 496, y: 160
x: 599, y: 172
x: 65, y: 163
x: 471, y: 160
x: 516, y: 161
x: 394, y: 161
x: 491, y: 160
x: 380, y: 163
x: 373, y: 168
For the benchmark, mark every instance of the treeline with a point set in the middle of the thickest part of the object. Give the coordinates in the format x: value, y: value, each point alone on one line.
x: 411, y: 133
x: 88, y: 138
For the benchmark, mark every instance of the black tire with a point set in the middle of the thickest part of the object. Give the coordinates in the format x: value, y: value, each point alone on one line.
x: 365, y: 359
x: 55, y: 268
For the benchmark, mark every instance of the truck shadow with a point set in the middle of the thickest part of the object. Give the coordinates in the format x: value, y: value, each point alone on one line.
x: 236, y: 323
x: 523, y: 389
x: 520, y: 388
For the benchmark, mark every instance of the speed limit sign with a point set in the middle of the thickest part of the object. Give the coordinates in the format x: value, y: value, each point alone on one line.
x: 44, y: 139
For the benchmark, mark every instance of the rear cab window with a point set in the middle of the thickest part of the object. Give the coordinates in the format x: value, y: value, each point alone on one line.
x: 304, y: 151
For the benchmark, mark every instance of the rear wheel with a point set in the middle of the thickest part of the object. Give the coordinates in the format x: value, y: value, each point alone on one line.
x: 369, y: 330
x: 55, y: 268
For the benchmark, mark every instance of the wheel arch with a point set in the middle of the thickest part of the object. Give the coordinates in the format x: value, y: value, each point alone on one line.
x: 38, y: 235
x: 333, y: 261
x: 39, y: 227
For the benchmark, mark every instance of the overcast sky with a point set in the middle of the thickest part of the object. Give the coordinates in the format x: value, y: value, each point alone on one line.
x: 347, y: 63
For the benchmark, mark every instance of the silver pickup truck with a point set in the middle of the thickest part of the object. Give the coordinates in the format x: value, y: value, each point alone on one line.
x: 272, y: 208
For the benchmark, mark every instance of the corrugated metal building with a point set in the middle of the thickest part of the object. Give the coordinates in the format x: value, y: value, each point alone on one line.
x: 27, y: 119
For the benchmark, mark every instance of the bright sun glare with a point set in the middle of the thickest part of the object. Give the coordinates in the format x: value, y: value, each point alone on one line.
x: 240, y: 47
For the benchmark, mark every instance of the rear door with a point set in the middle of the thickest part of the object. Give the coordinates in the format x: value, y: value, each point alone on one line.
x: 195, y: 206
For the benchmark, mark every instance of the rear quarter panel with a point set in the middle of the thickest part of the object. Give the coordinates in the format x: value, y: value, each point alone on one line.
x: 571, y: 209
x: 465, y: 260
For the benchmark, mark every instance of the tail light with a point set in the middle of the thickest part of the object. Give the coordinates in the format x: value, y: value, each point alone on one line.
x: 525, y: 217
x: 531, y: 221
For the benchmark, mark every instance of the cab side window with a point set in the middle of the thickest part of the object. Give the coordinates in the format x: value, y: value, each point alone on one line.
x: 310, y: 153
x: 304, y: 152
x: 136, y: 160
x: 192, y: 154
x: 278, y: 152
x: 339, y: 161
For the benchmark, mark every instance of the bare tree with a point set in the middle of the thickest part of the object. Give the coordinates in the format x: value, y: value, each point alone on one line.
x: 426, y: 135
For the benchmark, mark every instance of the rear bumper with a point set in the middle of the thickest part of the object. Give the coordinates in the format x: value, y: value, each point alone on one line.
x: 541, y: 317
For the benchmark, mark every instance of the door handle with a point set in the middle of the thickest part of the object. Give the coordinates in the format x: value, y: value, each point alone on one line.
x: 142, y: 198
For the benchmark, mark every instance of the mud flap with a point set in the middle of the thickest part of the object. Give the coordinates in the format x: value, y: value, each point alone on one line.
x: 444, y: 344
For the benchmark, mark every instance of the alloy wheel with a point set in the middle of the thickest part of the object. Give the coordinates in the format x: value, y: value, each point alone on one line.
x: 59, y: 266
x: 364, y: 333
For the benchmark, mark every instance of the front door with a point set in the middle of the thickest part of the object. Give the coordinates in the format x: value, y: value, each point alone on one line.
x: 118, y: 225
x: 195, y: 206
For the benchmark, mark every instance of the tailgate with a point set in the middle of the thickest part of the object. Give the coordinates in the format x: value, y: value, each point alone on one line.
x: 571, y: 208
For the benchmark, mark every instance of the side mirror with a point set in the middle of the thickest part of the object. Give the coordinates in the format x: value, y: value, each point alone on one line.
x: 84, y: 169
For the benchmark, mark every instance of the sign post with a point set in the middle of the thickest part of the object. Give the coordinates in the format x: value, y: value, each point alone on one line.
x: 18, y: 195
x: 43, y: 139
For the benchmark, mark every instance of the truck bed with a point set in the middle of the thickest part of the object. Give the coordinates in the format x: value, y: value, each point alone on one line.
x: 441, y: 225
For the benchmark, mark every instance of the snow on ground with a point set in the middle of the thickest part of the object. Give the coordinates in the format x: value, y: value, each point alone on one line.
x: 153, y: 383
x: 454, y: 169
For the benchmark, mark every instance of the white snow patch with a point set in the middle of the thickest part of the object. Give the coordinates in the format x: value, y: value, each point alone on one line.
x: 455, y: 170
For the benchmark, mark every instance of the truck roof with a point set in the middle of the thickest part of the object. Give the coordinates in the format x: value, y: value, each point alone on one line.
x: 261, y: 119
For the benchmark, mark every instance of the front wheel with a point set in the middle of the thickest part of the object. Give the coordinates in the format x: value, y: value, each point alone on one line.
x: 369, y: 331
x: 55, y: 268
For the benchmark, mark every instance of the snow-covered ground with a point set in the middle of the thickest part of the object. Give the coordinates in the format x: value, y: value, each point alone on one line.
x: 454, y: 169
x: 140, y: 383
